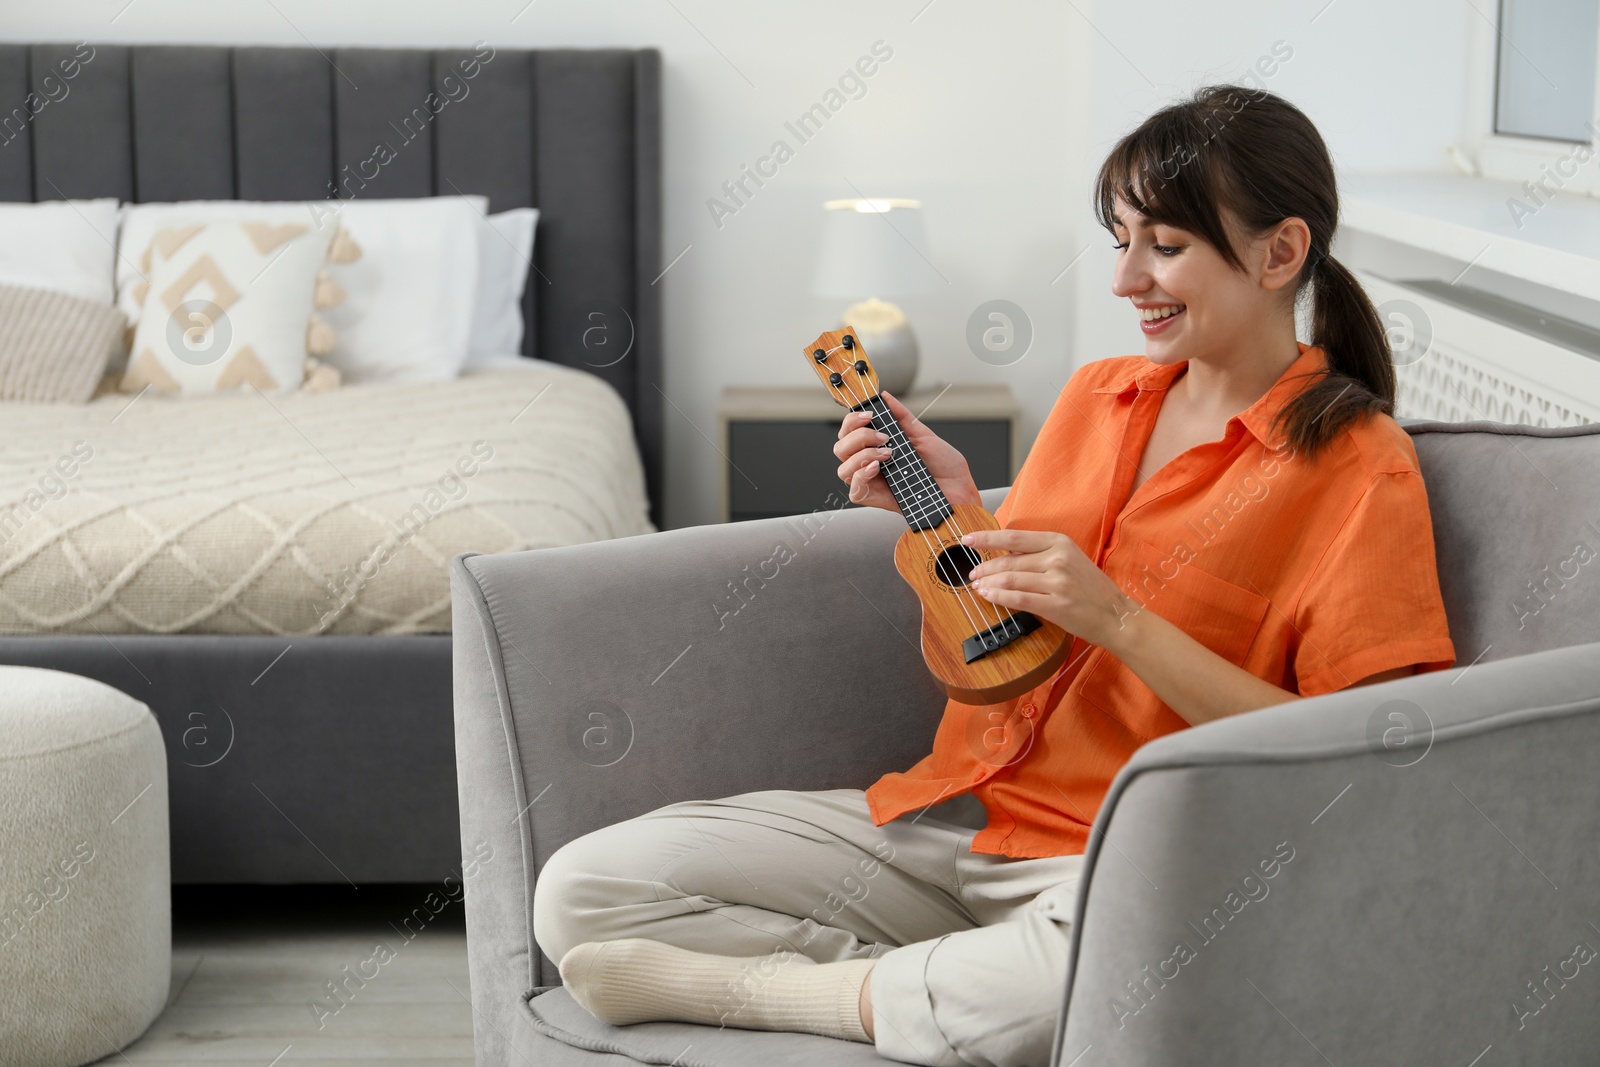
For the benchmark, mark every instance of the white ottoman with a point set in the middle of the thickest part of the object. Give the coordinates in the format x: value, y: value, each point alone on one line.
x: 85, y: 905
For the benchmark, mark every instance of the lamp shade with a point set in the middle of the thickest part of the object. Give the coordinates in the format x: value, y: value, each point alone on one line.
x: 870, y: 248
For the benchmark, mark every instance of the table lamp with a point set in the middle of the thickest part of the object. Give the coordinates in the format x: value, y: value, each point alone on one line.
x: 870, y: 250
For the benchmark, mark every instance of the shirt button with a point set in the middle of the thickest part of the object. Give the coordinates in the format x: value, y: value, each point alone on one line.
x: 977, y: 775
x: 1029, y: 711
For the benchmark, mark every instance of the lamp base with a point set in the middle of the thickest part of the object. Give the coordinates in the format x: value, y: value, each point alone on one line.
x: 889, y: 342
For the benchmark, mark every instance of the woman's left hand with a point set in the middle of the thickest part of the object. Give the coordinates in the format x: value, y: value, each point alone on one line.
x: 1049, y: 575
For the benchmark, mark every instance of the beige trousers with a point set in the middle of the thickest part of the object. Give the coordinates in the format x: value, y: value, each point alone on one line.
x: 971, y: 949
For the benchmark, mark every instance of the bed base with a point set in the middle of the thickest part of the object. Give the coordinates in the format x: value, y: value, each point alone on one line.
x: 290, y: 759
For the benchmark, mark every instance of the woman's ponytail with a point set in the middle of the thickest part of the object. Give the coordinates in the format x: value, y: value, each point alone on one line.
x: 1360, y: 379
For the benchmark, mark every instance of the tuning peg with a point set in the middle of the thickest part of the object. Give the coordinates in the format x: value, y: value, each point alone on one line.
x: 820, y: 356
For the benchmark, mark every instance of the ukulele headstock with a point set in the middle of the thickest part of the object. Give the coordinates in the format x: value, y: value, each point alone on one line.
x: 842, y: 365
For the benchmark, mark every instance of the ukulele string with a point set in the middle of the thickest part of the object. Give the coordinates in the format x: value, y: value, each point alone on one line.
x: 1001, y: 613
x: 928, y: 542
x: 932, y: 546
x: 896, y: 430
x: 965, y: 591
x: 921, y: 473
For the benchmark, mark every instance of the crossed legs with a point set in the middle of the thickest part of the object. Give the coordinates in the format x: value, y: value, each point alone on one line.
x: 966, y: 953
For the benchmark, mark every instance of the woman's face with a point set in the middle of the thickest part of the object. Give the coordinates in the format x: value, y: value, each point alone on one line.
x: 1191, y: 303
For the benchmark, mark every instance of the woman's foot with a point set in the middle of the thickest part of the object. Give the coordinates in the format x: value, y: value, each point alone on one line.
x: 635, y: 980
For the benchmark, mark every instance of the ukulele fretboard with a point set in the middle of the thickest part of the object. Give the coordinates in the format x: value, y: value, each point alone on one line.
x: 921, y: 500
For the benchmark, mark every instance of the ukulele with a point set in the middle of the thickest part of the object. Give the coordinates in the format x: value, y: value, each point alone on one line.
x: 979, y: 652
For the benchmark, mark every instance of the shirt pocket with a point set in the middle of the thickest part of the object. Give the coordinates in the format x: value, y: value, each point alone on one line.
x: 1223, y: 617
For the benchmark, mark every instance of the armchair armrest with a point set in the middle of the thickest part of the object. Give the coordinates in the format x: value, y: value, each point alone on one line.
x: 1374, y: 875
x: 596, y: 682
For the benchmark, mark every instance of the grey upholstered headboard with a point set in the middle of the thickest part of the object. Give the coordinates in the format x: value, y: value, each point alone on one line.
x: 574, y: 133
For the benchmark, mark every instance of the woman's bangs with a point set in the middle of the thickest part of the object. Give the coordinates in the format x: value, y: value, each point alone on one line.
x: 1151, y: 171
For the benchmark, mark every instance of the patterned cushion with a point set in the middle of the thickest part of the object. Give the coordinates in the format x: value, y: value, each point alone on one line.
x: 53, y: 347
x: 231, y: 303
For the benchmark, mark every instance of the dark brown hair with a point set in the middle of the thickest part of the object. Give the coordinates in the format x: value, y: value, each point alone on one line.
x: 1258, y: 156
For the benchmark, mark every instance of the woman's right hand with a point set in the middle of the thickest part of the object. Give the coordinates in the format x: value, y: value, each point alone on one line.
x: 862, y: 450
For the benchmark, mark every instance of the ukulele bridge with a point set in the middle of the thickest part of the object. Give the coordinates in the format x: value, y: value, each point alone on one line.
x: 999, y: 635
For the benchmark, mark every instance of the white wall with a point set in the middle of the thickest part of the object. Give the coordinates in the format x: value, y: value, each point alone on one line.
x: 994, y: 115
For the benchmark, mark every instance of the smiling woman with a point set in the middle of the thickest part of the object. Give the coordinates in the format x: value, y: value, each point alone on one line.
x: 1140, y: 526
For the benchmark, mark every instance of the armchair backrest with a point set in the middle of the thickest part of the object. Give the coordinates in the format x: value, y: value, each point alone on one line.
x: 1516, y: 526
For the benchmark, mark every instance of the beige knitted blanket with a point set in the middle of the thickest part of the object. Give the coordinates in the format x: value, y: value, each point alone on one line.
x: 300, y: 514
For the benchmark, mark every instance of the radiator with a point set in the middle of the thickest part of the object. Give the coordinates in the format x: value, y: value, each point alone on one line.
x: 1456, y: 366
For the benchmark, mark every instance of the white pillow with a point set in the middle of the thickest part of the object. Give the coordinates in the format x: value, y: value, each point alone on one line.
x: 412, y: 292
x: 65, y: 246
x: 409, y: 309
x: 505, y: 252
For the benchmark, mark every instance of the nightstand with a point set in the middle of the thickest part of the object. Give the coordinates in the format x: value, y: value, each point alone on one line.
x: 777, y: 443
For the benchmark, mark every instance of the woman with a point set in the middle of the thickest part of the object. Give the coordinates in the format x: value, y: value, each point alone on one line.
x: 1231, y: 521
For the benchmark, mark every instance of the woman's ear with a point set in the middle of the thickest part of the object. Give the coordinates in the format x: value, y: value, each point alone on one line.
x: 1284, y: 252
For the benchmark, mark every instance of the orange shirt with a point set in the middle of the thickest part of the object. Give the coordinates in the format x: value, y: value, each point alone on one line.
x: 1311, y: 574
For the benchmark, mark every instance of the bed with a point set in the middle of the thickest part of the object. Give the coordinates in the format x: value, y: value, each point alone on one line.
x: 272, y: 578
x: 327, y: 513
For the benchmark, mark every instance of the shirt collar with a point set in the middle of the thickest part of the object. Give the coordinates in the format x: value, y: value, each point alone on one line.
x: 1258, y: 417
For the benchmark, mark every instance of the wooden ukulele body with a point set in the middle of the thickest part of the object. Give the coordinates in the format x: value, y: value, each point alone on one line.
x: 930, y: 561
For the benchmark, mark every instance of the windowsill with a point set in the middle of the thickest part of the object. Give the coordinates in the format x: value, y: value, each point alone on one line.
x: 1467, y: 219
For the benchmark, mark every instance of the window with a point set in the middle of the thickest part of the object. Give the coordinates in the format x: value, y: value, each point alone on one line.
x: 1538, y: 116
x: 1545, y: 69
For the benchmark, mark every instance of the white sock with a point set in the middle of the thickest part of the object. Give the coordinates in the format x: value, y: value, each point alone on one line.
x: 635, y: 980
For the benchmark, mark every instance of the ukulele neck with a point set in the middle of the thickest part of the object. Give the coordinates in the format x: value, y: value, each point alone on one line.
x: 922, y: 502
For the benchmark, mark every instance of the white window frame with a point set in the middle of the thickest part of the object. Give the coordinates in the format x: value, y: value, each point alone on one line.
x: 1522, y: 159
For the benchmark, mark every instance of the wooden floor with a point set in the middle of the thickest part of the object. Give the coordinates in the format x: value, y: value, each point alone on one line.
x: 249, y: 963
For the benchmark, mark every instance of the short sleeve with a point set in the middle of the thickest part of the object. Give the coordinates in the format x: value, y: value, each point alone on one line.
x: 1372, y: 602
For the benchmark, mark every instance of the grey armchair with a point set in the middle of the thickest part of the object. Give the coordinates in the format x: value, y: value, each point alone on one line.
x: 1402, y: 873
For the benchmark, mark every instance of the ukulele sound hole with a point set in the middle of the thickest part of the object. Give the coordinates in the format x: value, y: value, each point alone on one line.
x: 954, y: 565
